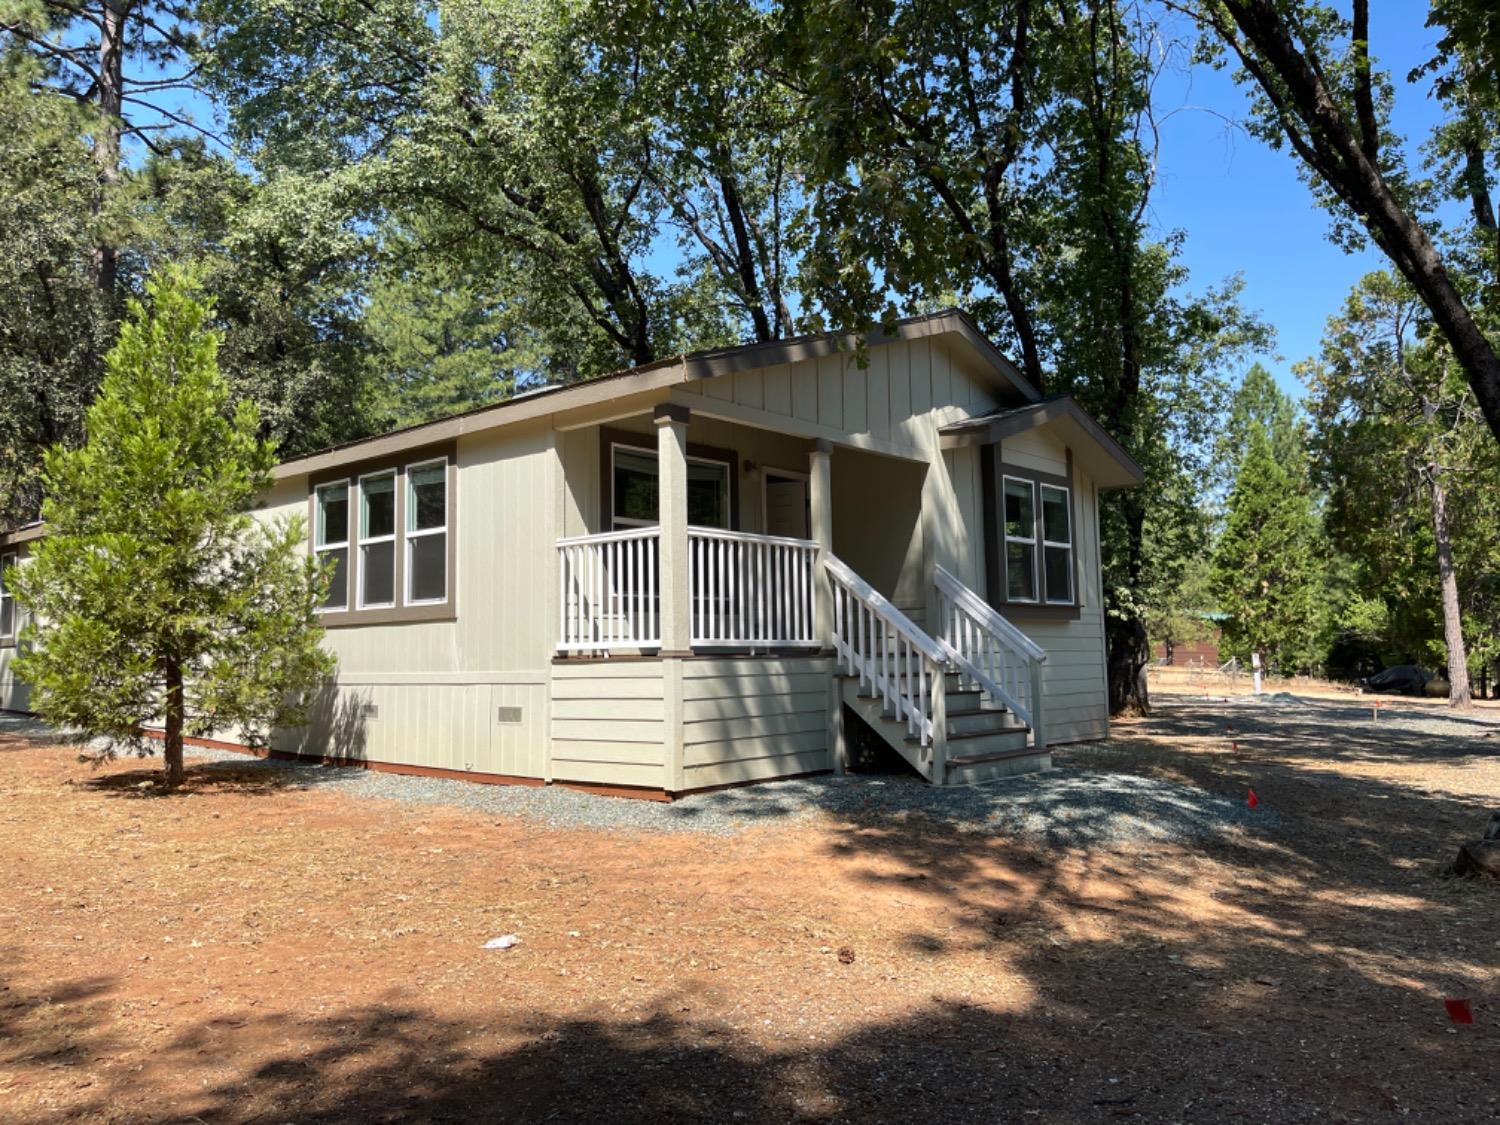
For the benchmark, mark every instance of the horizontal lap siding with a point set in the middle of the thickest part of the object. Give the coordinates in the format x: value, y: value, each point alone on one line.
x: 1074, y: 679
x: 748, y: 720
x: 609, y: 723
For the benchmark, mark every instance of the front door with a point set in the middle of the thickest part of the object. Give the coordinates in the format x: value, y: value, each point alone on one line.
x: 786, y: 507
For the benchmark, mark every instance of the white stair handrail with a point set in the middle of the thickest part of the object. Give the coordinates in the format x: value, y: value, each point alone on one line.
x: 991, y: 652
x: 986, y: 613
x: 875, y: 641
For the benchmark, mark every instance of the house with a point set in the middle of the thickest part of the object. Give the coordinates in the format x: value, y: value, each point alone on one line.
x: 696, y: 572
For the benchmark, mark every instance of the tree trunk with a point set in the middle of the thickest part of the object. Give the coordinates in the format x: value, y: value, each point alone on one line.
x: 1129, y: 648
x: 1459, y: 693
x: 1327, y: 144
x: 1129, y: 653
x: 172, y: 743
x: 107, y: 136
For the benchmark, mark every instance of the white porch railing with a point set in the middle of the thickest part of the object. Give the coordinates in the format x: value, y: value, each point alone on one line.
x: 609, y: 591
x: 752, y: 591
x: 875, y: 641
x: 990, y: 652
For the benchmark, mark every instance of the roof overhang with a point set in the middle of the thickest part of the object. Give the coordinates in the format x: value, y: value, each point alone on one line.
x: 660, y: 377
x: 1094, y: 450
x: 25, y: 534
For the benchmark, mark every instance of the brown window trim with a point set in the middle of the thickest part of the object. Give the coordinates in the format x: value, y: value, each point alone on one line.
x: 13, y: 553
x: 398, y: 614
x: 610, y: 436
x: 993, y: 470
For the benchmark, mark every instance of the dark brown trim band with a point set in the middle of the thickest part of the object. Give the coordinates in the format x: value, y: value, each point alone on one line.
x: 993, y: 470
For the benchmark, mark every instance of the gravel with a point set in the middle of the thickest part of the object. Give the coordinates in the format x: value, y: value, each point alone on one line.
x: 1057, y: 807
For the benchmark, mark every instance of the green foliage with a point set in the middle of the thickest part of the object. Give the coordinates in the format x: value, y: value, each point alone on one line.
x: 1393, y: 417
x: 286, y: 275
x: 998, y: 151
x: 1259, y: 401
x: 540, y: 152
x: 1267, y: 564
x: 155, y: 595
x: 54, y: 323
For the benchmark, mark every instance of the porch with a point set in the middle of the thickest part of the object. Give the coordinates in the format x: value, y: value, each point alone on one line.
x: 696, y: 655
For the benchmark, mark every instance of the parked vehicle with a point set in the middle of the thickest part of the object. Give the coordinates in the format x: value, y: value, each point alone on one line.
x: 1403, y: 679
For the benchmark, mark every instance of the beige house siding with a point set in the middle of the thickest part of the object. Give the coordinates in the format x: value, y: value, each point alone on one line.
x: 749, y: 719
x: 468, y: 694
x: 14, y: 695
x: 1074, y: 679
x: 893, y: 405
x: 609, y: 723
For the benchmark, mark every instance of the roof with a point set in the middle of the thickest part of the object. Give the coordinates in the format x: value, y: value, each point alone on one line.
x: 1111, y: 466
x: 1007, y: 379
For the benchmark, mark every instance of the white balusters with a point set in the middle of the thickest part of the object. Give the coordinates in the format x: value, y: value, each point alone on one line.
x: 747, y: 591
x: 990, y: 651
x: 751, y: 591
x: 607, y: 591
x: 879, y: 644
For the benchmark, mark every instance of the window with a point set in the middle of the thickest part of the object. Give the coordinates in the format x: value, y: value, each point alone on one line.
x: 331, y: 539
x: 1057, y: 544
x: 7, y: 599
x: 1020, y: 540
x: 635, y: 489
x: 427, y: 533
x: 377, y: 541
x: 708, y: 493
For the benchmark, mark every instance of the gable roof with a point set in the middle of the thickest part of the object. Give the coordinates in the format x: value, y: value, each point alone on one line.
x: 1111, y: 466
x: 1005, y: 379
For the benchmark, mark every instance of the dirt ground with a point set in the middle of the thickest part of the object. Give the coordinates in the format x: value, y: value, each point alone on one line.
x: 245, y: 951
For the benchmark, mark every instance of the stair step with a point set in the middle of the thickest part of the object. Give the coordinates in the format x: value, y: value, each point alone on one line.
x: 973, y: 736
x: 958, y: 761
x: 986, y: 719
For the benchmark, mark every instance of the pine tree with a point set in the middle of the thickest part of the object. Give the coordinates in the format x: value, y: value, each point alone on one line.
x: 155, y: 595
x: 1267, y: 572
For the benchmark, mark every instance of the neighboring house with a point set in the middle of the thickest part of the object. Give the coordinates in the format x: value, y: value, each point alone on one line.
x: 690, y: 574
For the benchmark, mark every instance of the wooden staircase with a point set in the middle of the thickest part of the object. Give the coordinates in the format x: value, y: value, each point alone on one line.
x: 961, y: 710
x: 984, y: 741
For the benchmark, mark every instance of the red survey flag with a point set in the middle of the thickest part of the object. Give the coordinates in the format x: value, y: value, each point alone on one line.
x: 1254, y: 801
x: 1459, y: 1011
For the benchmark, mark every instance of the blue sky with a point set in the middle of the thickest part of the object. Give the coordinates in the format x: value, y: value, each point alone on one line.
x: 1243, y: 207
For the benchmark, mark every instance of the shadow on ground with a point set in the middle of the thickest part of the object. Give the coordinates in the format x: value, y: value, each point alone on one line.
x: 1306, y: 986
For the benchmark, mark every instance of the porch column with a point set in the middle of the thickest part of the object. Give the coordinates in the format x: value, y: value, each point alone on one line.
x: 671, y: 459
x: 820, y: 503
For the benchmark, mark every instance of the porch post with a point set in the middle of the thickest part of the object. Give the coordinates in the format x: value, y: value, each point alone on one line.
x: 671, y: 458
x: 820, y: 503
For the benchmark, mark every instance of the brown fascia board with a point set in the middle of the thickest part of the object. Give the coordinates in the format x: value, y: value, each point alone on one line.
x: 25, y: 534
x: 1001, y: 424
x: 664, y: 373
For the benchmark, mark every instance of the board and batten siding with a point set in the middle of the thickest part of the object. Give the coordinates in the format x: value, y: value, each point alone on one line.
x: 756, y: 718
x: 896, y: 403
x: 609, y: 723
x: 468, y: 694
